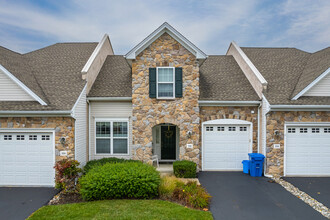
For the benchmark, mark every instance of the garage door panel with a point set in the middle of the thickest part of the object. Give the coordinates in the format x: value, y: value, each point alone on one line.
x: 27, y: 162
x: 225, y: 149
x: 308, y: 153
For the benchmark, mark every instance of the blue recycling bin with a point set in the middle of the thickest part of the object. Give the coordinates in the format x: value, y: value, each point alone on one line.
x: 246, y: 166
x: 256, y: 164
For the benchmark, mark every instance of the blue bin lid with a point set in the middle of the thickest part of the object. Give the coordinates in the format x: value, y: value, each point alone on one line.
x: 256, y: 155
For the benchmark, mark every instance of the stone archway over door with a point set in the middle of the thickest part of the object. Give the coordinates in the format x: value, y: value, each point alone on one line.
x: 225, y: 143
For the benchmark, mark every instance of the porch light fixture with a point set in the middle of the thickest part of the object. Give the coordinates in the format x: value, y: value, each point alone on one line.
x: 62, y: 140
x: 189, y: 133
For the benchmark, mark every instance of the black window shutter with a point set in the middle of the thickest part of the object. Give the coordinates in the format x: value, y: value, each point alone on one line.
x: 152, y: 82
x: 178, y: 82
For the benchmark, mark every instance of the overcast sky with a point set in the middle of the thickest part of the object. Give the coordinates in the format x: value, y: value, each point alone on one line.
x: 210, y: 25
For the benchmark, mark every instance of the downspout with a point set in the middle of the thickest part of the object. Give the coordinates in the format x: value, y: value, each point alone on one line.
x: 259, y: 127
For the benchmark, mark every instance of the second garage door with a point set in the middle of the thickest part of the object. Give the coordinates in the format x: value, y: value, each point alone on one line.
x: 225, y: 146
x: 307, y: 150
x: 26, y: 159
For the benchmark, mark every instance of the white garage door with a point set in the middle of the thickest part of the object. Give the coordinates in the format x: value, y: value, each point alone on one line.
x: 27, y: 159
x: 307, y: 151
x: 225, y: 146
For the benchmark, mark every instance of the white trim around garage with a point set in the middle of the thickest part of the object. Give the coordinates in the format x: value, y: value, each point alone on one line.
x: 226, y: 122
x: 312, y: 84
x: 228, y: 103
x: 115, y: 99
x: 20, y: 84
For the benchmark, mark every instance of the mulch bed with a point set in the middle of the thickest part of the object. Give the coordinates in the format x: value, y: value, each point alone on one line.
x: 66, y: 198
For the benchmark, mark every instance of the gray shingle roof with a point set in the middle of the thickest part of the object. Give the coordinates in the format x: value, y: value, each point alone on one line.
x: 283, y: 68
x: 114, y: 79
x: 53, y: 73
x: 222, y: 79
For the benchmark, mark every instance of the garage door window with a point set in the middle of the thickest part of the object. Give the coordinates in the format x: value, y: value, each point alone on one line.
x: 291, y: 130
x: 327, y: 130
x: 33, y: 137
x: 7, y: 137
x: 315, y: 130
x: 303, y: 130
x: 209, y: 128
x: 112, y: 137
x: 20, y: 137
x: 243, y: 128
x: 221, y: 128
x: 231, y: 128
x: 45, y: 137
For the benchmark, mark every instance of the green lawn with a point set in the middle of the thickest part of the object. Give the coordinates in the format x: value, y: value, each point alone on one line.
x: 120, y: 209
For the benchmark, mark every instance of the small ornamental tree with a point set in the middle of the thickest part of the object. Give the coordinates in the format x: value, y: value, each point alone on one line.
x: 67, y: 171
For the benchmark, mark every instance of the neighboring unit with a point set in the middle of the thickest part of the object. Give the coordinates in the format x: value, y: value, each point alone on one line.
x: 165, y: 97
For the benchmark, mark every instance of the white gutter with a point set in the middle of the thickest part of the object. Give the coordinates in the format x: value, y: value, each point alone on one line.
x: 299, y: 107
x: 228, y: 103
x: 109, y: 98
x: 34, y: 113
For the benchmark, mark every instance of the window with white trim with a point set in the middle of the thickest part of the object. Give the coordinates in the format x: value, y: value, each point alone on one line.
x: 291, y: 130
x: 221, y: 128
x: 231, y: 128
x: 209, y: 128
x: 20, y: 137
x: 7, y: 137
x: 315, y: 130
x: 111, y: 137
x: 303, y: 130
x: 32, y: 137
x: 165, y: 82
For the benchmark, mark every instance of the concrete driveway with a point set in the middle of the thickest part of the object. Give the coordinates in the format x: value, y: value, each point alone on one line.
x: 239, y: 196
x: 316, y: 187
x: 20, y: 202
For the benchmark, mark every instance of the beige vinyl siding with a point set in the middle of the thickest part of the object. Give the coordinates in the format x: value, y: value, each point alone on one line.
x: 10, y: 91
x: 80, y: 115
x: 120, y: 110
x: 322, y: 88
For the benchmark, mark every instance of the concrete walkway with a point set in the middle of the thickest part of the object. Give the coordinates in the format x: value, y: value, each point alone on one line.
x: 239, y: 196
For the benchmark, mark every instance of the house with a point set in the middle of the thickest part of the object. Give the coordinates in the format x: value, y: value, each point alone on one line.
x: 165, y: 97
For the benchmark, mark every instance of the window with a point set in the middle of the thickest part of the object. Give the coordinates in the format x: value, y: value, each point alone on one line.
x: 221, y: 128
x: 315, y: 130
x: 112, y: 137
x: 209, y: 128
x: 45, y: 137
x: 231, y: 128
x: 303, y: 130
x: 242, y: 128
x: 165, y: 82
x: 32, y: 137
x: 291, y: 130
x: 327, y: 130
x: 7, y: 137
x: 20, y: 137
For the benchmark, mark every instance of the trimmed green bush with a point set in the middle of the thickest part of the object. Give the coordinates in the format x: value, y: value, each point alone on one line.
x: 184, y: 169
x: 92, y: 163
x: 120, y: 180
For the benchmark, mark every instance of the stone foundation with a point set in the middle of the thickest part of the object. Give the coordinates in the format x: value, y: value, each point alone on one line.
x: 63, y: 126
x: 276, y: 121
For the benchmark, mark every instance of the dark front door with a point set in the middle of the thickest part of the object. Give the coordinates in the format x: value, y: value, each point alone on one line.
x: 168, y: 143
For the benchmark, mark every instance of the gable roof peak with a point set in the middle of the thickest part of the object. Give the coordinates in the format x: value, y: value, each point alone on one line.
x: 165, y: 28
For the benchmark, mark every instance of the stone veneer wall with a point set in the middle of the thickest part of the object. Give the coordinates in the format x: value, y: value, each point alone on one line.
x: 276, y: 121
x: 243, y: 113
x: 148, y: 112
x: 63, y: 126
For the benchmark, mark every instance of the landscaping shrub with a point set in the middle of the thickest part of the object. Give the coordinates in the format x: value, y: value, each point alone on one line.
x: 92, y: 163
x: 184, y: 169
x: 120, y: 180
x: 191, y: 194
x: 67, y: 171
x: 167, y: 187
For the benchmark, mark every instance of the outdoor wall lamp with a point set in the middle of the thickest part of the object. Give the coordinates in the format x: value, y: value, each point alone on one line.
x: 62, y: 140
x: 189, y: 134
x: 277, y: 133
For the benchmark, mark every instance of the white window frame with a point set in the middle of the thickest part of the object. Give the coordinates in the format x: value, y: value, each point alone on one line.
x: 166, y: 67
x: 111, y: 120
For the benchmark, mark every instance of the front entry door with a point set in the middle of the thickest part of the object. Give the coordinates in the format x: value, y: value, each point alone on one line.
x: 168, y: 142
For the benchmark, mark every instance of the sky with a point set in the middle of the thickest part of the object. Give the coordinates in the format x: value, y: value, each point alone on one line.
x: 27, y: 25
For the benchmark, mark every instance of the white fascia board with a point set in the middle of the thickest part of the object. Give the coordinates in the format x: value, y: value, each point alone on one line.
x: 34, y: 113
x: 307, y: 88
x: 20, y: 84
x: 300, y: 108
x: 77, y: 101
x: 95, y: 52
x: 109, y: 98
x: 165, y: 27
x: 250, y: 64
x: 228, y: 103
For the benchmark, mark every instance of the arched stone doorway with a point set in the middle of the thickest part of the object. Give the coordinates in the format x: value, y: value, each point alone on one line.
x: 165, y: 142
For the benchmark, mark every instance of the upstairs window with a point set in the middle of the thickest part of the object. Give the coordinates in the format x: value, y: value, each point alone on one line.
x: 165, y: 82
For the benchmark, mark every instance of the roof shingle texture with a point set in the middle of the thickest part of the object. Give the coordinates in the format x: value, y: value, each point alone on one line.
x: 288, y: 70
x: 114, y: 79
x: 53, y: 73
x: 222, y: 79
